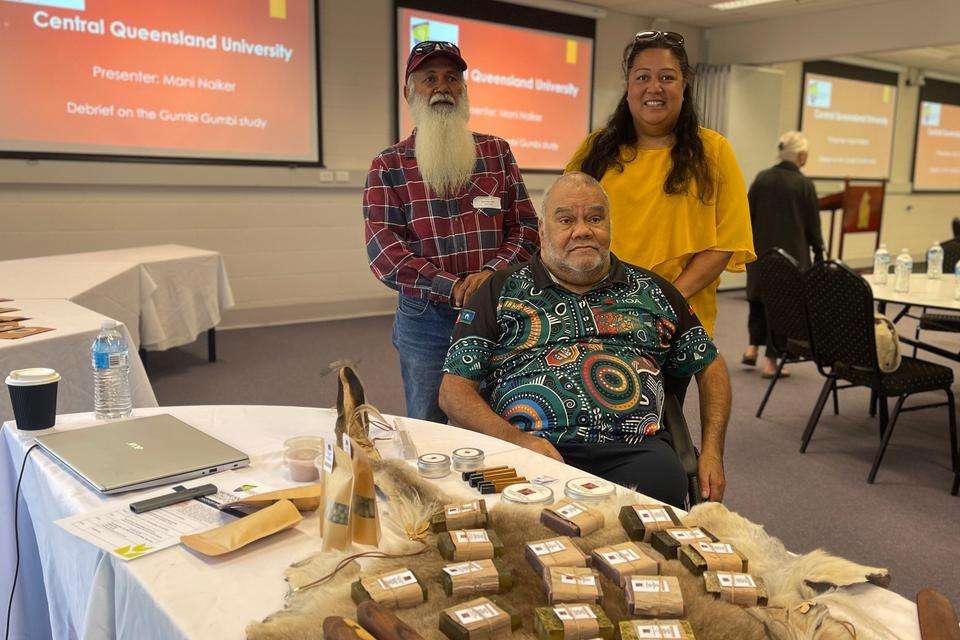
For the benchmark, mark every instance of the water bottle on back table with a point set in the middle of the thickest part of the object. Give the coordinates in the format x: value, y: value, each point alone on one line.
x: 110, y: 358
x: 935, y: 261
x: 904, y: 268
x: 881, y: 265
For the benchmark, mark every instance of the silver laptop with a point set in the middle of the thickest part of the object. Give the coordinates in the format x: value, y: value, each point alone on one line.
x: 143, y: 452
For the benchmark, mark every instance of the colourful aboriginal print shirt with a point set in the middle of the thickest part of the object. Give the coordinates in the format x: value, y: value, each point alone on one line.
x: 578, y: 367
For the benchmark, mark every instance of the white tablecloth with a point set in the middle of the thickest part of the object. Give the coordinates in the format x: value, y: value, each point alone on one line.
x: 66, y: 349
x: 176, y: 594
x: 166, y: 294
x: 924, y: 292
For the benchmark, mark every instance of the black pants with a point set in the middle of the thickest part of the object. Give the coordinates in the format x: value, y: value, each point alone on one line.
x: 757, y: 326
x: 651, y: 467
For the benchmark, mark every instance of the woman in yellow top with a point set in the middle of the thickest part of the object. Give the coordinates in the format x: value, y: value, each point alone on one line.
x: 677, y: 196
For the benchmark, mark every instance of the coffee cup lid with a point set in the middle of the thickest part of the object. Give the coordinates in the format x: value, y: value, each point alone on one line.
x: 31, y: 377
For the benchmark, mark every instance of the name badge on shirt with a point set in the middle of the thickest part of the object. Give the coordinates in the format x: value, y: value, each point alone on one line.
x: 486, y: 202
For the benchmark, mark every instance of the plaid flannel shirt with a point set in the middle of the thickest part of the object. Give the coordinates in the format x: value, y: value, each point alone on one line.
x: 420, y: 244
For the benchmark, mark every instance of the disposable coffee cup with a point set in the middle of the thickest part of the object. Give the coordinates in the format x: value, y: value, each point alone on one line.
x: 33, y: 394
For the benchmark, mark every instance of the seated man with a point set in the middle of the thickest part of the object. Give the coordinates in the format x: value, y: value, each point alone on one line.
x: 571, y: 350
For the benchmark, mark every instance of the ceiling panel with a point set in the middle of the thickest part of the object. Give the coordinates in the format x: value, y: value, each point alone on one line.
x: 699, y: 13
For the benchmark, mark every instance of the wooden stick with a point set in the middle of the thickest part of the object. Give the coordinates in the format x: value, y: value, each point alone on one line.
x: 498, y: 485
x: 506, y: 473
x: 469, y: 474
x: 338, y: 628
x: 383, y: 624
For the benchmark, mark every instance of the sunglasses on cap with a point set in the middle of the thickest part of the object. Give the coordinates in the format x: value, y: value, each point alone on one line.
x: 429, y: 46
x: 672, y: 38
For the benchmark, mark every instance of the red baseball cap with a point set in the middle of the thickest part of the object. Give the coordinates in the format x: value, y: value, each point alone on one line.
x: 429, y: 49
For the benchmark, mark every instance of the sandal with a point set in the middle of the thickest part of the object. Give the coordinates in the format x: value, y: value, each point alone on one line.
x: 752, y: 362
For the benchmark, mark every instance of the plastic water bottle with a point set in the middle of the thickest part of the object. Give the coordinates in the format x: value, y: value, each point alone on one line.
x: 935, y: 261
x: 956, y: 286
x: 111, y: 373
x: 881, y: 265
x: 902, y: 272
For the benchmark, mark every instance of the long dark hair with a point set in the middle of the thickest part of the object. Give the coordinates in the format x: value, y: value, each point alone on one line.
x: 687, y: 154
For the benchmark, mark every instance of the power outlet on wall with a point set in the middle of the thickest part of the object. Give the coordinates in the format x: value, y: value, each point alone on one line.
x: 326, y: 176
x: 343, y: 176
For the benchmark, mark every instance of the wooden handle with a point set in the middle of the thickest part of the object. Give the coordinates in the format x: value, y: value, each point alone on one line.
x: 337, y: 628
x: 383, y: 623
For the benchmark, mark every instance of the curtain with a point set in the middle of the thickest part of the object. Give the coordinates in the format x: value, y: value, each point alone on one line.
x: 710, y: 86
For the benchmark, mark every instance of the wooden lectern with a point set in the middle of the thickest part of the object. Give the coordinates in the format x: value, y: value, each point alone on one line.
x: 862, y: 206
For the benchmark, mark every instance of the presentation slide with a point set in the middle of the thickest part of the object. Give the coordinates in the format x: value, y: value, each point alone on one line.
x: 530, y: 87
x: 229, y: 80
x: 849, y: 124
x: 936, y: 165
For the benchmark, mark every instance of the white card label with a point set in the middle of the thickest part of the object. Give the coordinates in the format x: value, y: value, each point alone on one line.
x: 589, y: 581
x: 657, y: 631
x: 544, y: 479
x: 397, y: 580
x: 486, y: 202
x: 470, y: 535
x: 574, y: 613
x: 740, y: 580
x: 652, y: 516
x: 719, y: 547
x: 328, y: 457
x: 649, y: 585
x: 684, y: 535
x: 462, y: 568
x: 475, y: 614
x: 571, y: 510
x: 545, y: 548
x: 463, y: 508
x: 347, y: 446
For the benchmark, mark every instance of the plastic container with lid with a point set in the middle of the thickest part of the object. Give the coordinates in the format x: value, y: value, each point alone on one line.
x: 434, y: 465
x: 296, y: 442
x: 589, y: 490
x: 527, y: 493
x: 467, y: 459
x: 300, y: 465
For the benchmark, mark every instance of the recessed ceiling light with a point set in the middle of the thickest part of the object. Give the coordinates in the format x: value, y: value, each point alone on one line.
x: 730, y: 5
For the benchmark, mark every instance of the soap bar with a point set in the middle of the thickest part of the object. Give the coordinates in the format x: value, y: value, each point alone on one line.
x: 479, y: 619
x: 476, y: 577
x: 641, y: 520
x: 668, y: 541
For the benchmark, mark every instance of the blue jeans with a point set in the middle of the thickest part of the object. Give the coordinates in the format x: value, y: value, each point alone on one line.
x: 421, y: 333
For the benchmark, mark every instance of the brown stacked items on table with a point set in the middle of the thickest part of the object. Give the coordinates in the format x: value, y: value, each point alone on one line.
x: 555, y: 552
x: 476, y: 577
x: 667, y: 542
x: 492, y: 479
x: 640, y: 521
x: 469, y: 544
x: 397, y: 589
x: 711, y: 556
x: 571, y: 518
x: 572, y: 622
x: 468, y: 515
x: 572, y: 584
x: 740, y: 589
x: 10, y: 328
x: 620, y: 561
x: 642, y: 629
x: 478, y: 619
x: 654, y: 596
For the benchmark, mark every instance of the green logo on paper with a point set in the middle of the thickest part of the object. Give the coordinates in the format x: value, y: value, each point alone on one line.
x: 129, y: 552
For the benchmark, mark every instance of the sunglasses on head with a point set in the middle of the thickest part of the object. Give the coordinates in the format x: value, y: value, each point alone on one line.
x: 672, y: 38
x: 429, y: 46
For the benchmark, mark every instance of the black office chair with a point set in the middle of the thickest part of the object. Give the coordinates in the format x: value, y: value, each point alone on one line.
x: 781, y: 290
x: 938, y: 321
x: 676, y: 424
x: 840, y: 307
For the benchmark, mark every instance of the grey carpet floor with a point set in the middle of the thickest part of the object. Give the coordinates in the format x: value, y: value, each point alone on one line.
x: 907, y: 521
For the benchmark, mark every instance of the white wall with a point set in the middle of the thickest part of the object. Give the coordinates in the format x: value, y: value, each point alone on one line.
x: 293, y: 247
x: 912, y: 220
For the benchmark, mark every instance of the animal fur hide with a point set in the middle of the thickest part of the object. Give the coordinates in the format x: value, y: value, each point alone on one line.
x: 804, y: 601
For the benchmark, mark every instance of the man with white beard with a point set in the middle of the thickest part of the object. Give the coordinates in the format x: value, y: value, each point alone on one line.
x: 443, y: 210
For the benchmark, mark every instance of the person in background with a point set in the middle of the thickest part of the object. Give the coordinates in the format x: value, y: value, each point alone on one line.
x: 443, y: 210
x: 568, y: 356
x: 784, y: 213
x: 677, y: 195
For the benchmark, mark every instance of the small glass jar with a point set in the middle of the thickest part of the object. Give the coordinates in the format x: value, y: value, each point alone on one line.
x: 527, y: 493
x: 434, y: 465
x: 467, y: 459
x: 592, y: 491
